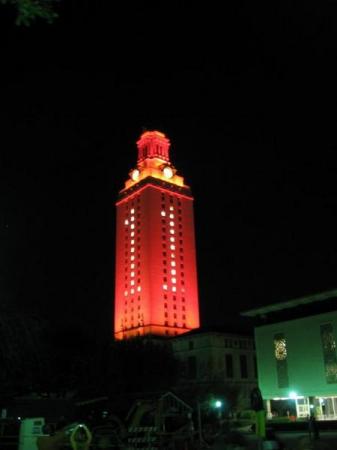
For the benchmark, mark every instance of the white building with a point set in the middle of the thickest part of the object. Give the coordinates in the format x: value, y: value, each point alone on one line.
x: 218, y: 357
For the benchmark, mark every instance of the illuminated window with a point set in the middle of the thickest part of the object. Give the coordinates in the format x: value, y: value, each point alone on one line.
x: 171, y: 207
x: 173, y: 280
x: 172, y: 247
x: 132, y: 249
x: 171, y: 224
x: 163, y: 213
x: 126, y: 222
x: 125, y: 293
x: 132, y: 242
x: 165, y: 287
x: 132, y: 257
x: 173, y: 255
x: 173, y: 263
x: 174, y: 289
x: 280, y: 352
x: 132, y: 219
x: 132, y: 226
x: 172, y: 231
x: 132, y: 265
x: 280, y: 348
x: 132, y: 233
x: 329, y: 352
x: 139, y: 289
x: 132, y: 211
x: 173, y: 272
x: 171, y: 216
x: 132, y: 291
x: 172, y: 238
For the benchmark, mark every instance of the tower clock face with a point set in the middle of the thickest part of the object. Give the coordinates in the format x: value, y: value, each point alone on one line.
x: 168, y: 172
x: 135, y: 174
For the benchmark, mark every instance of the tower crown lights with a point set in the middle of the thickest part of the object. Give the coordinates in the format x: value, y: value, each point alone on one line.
x: 153, y: 160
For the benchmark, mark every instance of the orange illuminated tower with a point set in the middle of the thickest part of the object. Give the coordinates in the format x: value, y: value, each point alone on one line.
x: 156, y: 289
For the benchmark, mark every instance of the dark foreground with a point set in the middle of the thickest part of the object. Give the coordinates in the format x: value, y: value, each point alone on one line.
x: 287, y: 440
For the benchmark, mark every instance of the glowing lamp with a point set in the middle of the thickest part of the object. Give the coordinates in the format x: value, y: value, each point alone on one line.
x: 135, y: 174
x: 168, y: 172
x: 218, y: 404
x: 293, y: 395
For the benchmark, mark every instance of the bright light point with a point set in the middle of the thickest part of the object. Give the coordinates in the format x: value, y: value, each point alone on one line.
x: 163, y: 213
x: 132, y: 282
x: 132, y: 257
x: 173, y: 272
x: 173, y: 280
x: 218, y: 404
x: 173, y: 255
x: 165, y: 287
x: 171, y: 224
x: 132, y: 226
x: 132, y: 274
x: 132, y: 233
x: 132, y: 242
x: 125, y: 293
x: 135, y: 174
x: 132, y: 211
x: 139, y: 288
x: 293, y: 394
x: 172, y: 231
x: 126, y: 222
x: 172, y: 247
x: 132, y: 219
x: 132, y: 291
x: 132, y: 249
x: 172, y: 239
x: 171, y: 208
x: 174, y: 289
x: 171, y: 216
x: 132, y: 265
x: 173, y: 263
x: 168, y: 172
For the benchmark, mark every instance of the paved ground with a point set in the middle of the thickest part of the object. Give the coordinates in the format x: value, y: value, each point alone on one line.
x: 289, y: 441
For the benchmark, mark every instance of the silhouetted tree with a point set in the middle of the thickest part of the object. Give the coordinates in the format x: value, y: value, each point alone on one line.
x: 29, y: 11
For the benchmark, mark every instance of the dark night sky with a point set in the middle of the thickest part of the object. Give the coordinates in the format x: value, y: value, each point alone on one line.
x: 246, y: 95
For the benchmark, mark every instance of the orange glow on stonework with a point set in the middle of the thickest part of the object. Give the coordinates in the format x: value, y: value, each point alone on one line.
x: 156, y: 278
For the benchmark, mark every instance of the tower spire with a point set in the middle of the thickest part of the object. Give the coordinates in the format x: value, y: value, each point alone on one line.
x: 153, y: 144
